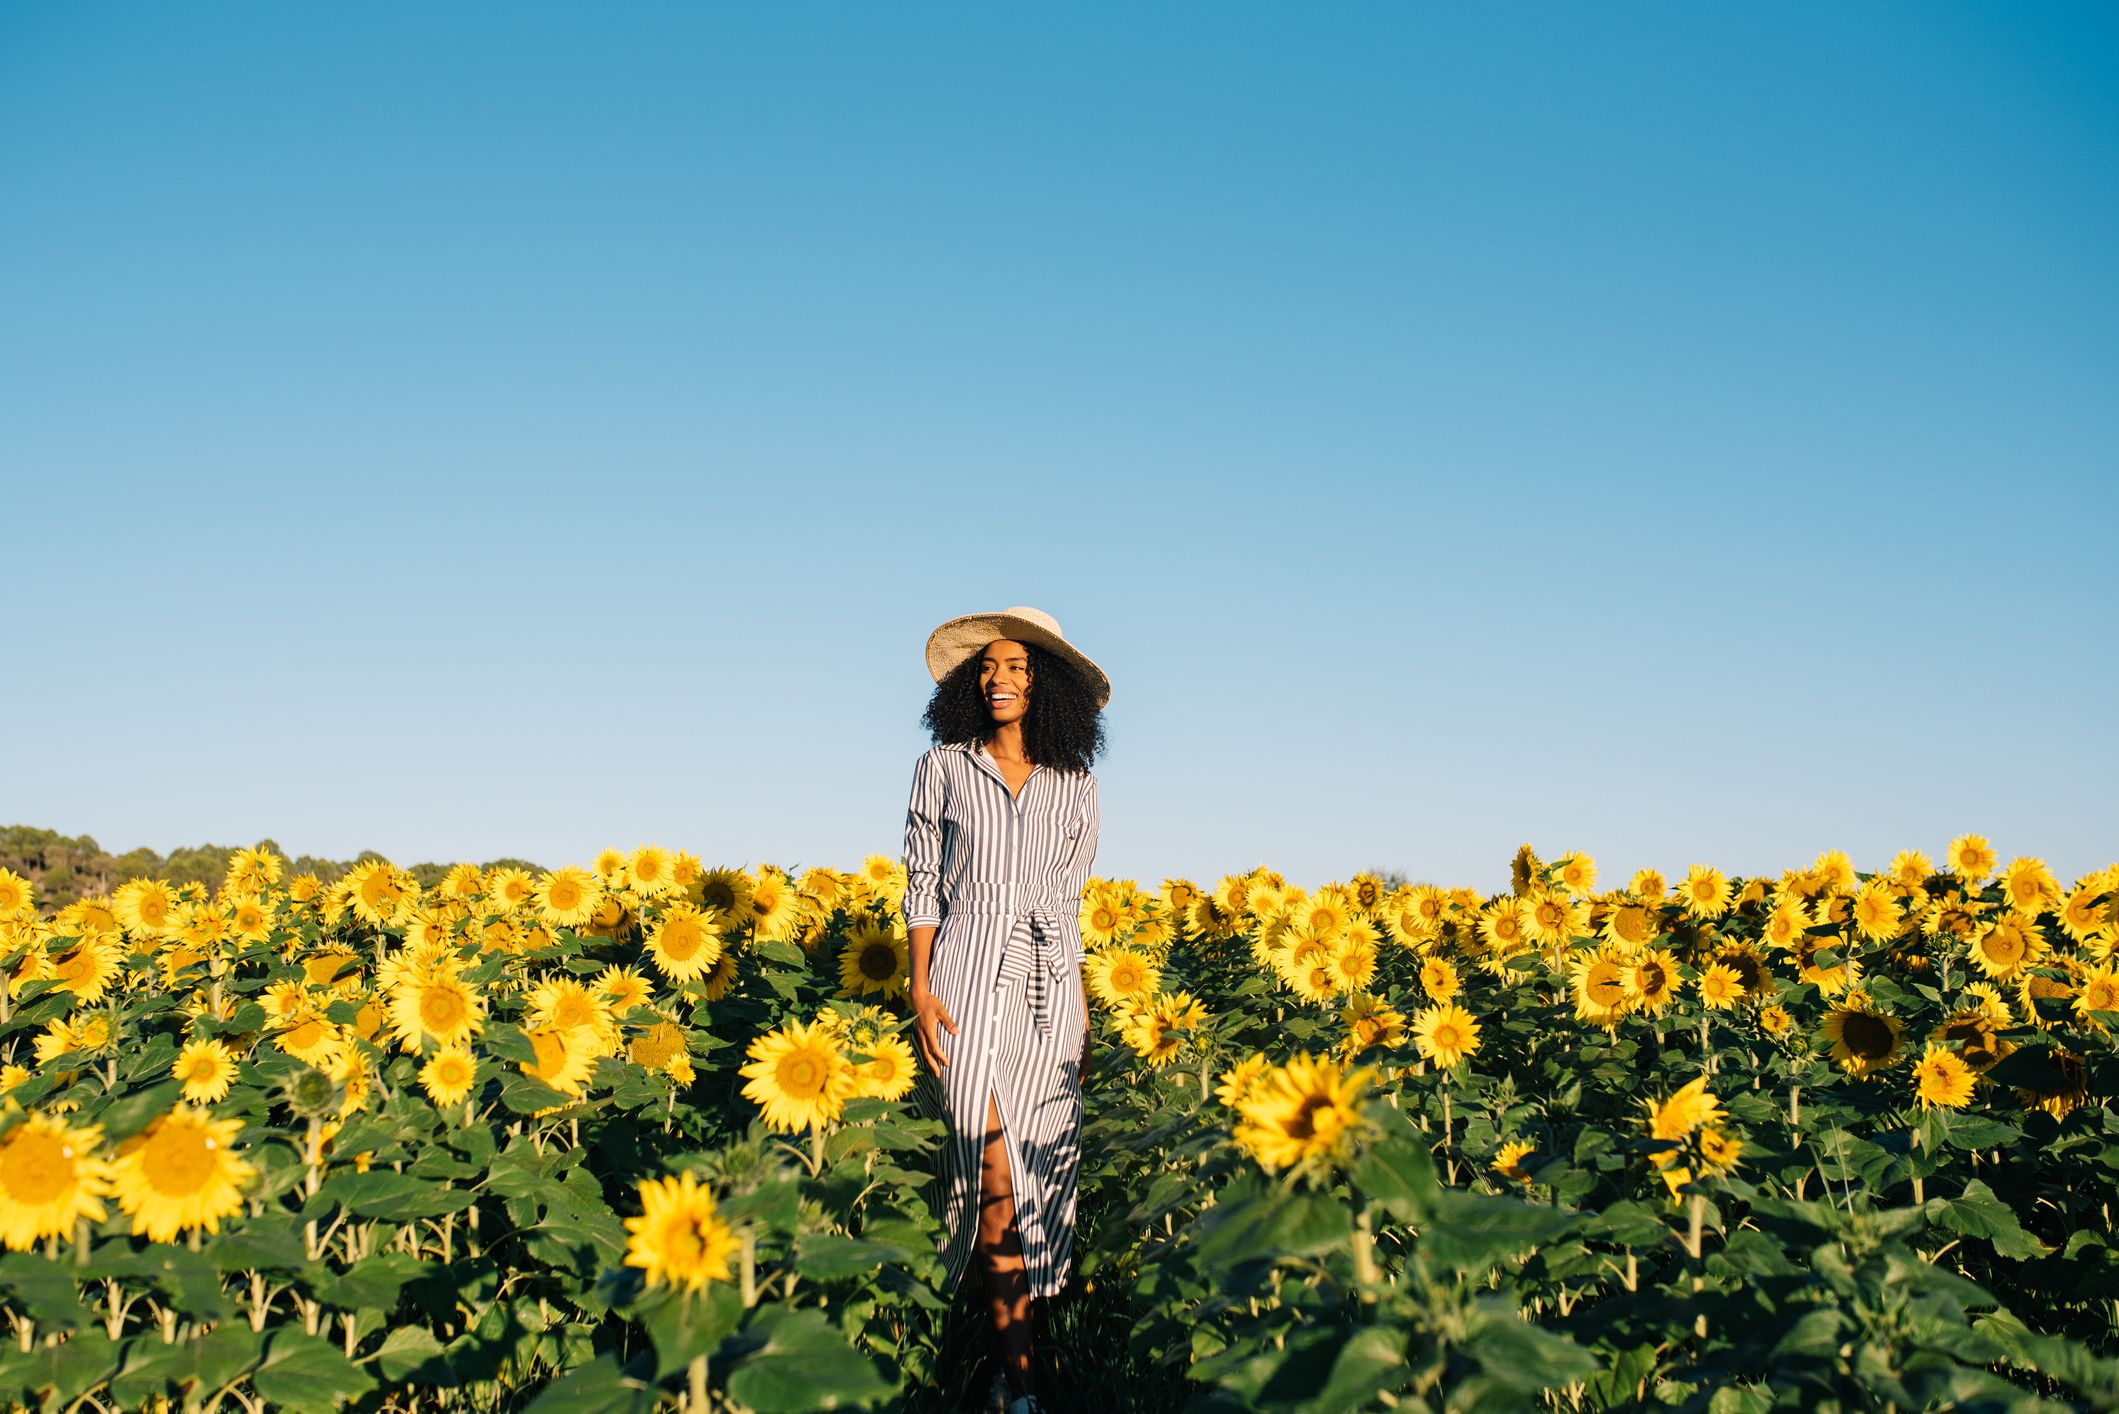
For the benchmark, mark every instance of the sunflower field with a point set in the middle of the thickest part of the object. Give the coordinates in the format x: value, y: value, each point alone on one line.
x: 645, y: 1135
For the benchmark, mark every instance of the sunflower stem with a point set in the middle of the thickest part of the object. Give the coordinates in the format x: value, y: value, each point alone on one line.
x: 697, y: 1383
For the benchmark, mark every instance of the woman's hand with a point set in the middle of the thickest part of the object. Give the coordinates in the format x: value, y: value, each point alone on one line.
x: 929, y: 1013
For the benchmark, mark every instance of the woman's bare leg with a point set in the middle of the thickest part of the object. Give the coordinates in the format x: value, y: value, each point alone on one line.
x: 1001, y: 1254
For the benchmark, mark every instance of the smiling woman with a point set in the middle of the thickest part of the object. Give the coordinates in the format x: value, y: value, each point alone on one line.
x: 1000, y: 833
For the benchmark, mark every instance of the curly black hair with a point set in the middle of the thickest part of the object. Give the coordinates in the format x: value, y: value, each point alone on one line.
x: 1063, y: 729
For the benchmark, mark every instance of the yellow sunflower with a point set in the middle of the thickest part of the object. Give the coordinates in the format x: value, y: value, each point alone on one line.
x: 182, y: 1172
x: 679, y: 1239
x: 1446, y: 1034
x: 1971, y: 858
x: 798, y: 1076
x: 1864, y: 1041
x: 1704, y: 892
x: 1942, y: 1078
x: 1508, y: 1161
x: 448, y: 1074
x: 651, y: 872
x: 2027, y: 886
x: 1370, y: 1024
x: 565, y: 1059
x: 876, y: 959
x: 439, y: 1007
x: 565, y: 1004
x: 2007, y: 946
x: 1237, y: 1081
x: 207, y: 1069
x: 1684, y: 1110
x: 1602, y: 983
x: 1120, y: 977
x: 685, y: 942
x: 568, y: 897
x: 889, y: 1071
x: 1719, y: 986
x: 50, y: 1178
x: 1439, y: 979
x: 1652, y: 979
x: 1306, y: 1109
x: 624, y: 988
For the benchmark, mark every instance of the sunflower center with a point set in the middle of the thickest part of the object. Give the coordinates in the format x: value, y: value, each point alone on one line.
x: 441, y: 1009
x: 179, y: 1159
x: 681, y: 938
x: 203, y: 1068
x: 37, y: 1168
x: 1866, y: 1036
x: 565, y: 895
x: 879, y: 962
x: 574, y: 1010
x: 801, y: 1074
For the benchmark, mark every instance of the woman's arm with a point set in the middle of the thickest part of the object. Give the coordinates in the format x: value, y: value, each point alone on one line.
x: 1081, y: 853
x: 923, y: 905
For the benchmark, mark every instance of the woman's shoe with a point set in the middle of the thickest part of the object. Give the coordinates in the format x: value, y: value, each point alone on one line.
x: 1025, y: 1404
x: 997, y: 1394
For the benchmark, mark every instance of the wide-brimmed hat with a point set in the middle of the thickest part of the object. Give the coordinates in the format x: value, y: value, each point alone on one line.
x: 966, y: 634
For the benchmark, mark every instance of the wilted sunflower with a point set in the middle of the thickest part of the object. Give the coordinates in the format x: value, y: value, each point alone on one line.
x: 50, y: 1178
x: 1864, y: 1041
x: 448, y: 1074
x: 182, y: 1172
x: 1445, y: 1034
x: 1305, y: 1109
x: 798, y: 1076
x: 1942, y: 1078
x: 685, y: 942
x: 207, y: 1069
x: 875, y: 960
x: 679, y: 1239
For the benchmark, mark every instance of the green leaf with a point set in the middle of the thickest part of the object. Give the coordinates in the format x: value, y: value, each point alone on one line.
x: 1473, y: 1231
x: 1522, y: 1357
x: 262, y: 1246
x: 412, y: 1355
x: 1371, y: 1361
x: 71, y: 1368
x: 685, y: 1325
x: 121, y: 1119
x: 788, y: 1362
x: 1977, y: 1212
x: 304, y: 1374
x: 44, y: 1290
x: 524, y: 1095
x: 1270, y: 1225
x: 600, y: 1388
x: 390, y: 1196
x: 202, y: 1364
x: 824, y: 1256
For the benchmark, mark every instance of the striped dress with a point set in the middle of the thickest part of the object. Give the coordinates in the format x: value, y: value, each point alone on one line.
x: 1002, y: 876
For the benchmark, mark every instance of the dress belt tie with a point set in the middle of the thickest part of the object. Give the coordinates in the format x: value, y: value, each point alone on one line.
x: 1046, y: 956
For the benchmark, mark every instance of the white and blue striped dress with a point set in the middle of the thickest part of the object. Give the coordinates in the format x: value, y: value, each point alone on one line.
x: 1002, y: 876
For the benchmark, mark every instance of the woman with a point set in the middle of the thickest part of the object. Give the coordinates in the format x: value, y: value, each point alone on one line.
x: 999, y: 836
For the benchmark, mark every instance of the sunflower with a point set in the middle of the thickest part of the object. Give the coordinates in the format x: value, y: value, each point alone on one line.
x: 1704, y: 892
x: 679, y: 1239
x: 1353, y: 965
x: 1864, y: 1041
x: 1600, y: 979
x: 1439, y: 979
x: 1502, y: 928
x: 2007, y: 946
x: 207, y: 1069
x: 1157, y: 1027
x: 147, y: 908
x: 1719, y: 986
x: 685, y: 942
x: 798, y: 1076
x: 1632, y: 925
x: 657, y: 1046
x: 16, y: 893
x: 310, y: 1037
x: 1774, y: 1020
x: 1942, y: 1078
x: 1237, y: 1081
x: 335, y: 968
x: 719, y: 978
x: 377, y: 891
x: 564, y: 1004
x: 875, y: 959
x: 439, y: 1006
x: 1446, y: 1034
x: 565, y: 1059
x: 509, y: 889
x: 889, y: 1072
x: 2028, y: 886
x: 1306, y: 1109
x: 249, y: 920
x: 1971, y: 858
x: 650, y: 873
x: 50, y: 1178
x: 1875, y: 912
x: 182, y: 1172
x: 1508, y: 1161
x: 1370, y: 1023
x: 2068, y: 1088
x: 775, y: 905
x: 1718, y: 1150
x: 1553, y: 917
x: 624, y: 988
x: 1101, y: 920
x: 1684, y: 1110
x: 2099, y: 991
x: 1652, y: 979
x: 1119, y: 977
x: 448, y: 1074
x: 1974, y: 1034
x: 568, y: 897
x: 86, y: 970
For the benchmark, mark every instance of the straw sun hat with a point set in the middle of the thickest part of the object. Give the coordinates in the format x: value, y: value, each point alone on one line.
x: 966, y: 634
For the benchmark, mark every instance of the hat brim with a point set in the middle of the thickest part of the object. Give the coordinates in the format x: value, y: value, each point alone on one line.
x: 966, y: 634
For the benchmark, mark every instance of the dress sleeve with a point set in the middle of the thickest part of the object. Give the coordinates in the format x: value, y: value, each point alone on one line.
x: 1081, y: 853
x: 923, y: 845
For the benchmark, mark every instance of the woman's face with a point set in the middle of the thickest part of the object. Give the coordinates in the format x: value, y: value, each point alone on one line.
x: 1004, y: 680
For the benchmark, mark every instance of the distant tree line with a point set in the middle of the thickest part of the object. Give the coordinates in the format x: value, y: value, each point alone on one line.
x: 65, y: 868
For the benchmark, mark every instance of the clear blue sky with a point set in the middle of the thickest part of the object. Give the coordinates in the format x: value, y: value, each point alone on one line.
x: 1676, y: 432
